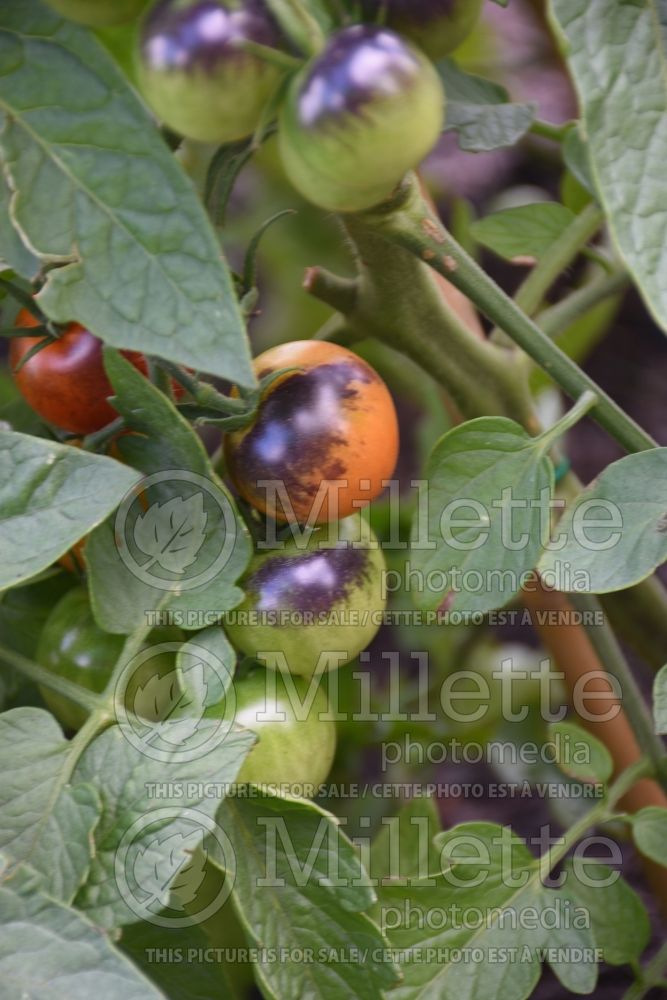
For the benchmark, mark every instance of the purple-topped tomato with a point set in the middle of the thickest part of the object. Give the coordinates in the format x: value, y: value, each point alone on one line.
x: 436, y: 26
x: 98, y: 13
x: 324, y: 440
x: 195, y: 71
x: 358, y: 116
x: 313, y: 607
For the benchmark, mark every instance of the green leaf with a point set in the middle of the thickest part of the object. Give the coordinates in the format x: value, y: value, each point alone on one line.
x: 44, y: 821
x: 98, y: 192
x: 480, y: 112
x: 12, y: 248
x: 180, y: 545
x: 525, y: 231
x: 629, y: 503
x: 474, y: 473
x: 649, y: 831
x: 404, y: 846
x: 182, y: 977
x: 289, y: 858
x: 619, y: 920
x: 75, y: 960
x: 581, y: 755
x: 660, y: 701
x: 51, y: 495
x: 487, y: 870
x: 577, y: 159
x: 160, y: 830
x: 616, y: 54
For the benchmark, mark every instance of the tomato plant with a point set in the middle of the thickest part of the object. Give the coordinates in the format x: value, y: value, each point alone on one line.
x: 333, y: 618
x: 196, y: 72
x: 313, y: 607
x: 363, y: 112
x: 325, y: 437
x: 296, y: 746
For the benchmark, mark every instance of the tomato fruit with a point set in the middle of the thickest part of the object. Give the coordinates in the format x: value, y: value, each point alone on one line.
x: 65, y: 382
x: 357, y: 117
x: 73, y: 646
x: 195, y: 73
x: 295, y: 750
x: 436, y: 26
x: 303, y: 602
x: 326, y: 435
x: 98, y: 13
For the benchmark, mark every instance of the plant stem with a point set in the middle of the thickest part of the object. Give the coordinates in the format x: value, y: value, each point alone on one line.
x: 560, y: 316
x: 398, y: 301
x: 583, y: 405
x: 639, y: 615
x: 69, y: 689
x: 409, y: 223
x: 606, y: 646
x: 652, y: 975
x: 600, y: 812
x: 561, y: 254
x: 547, y: 130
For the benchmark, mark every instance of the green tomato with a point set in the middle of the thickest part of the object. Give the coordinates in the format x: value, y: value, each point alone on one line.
x: 73, y: 646
x: 98, y: 13
x: 436, y: 26
x: 196, y: 74
x: 358, y: 117
x: 304, y: 603
x: 295, y: 746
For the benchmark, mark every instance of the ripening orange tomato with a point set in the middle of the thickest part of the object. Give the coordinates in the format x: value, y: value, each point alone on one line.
x: 324, y: 440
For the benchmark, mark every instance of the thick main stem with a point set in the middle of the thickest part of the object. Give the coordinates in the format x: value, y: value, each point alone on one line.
x: 407, y: 222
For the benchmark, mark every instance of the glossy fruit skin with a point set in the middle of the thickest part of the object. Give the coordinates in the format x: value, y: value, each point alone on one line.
x: 194, y: 73
x: 332, y: 421
x: 436, y: 26
x: 293, y: 751
x: 65, y: 382
x: 358, y: 117
x: 98, y: 13
x: 301, y: 603
x: 73, y: 646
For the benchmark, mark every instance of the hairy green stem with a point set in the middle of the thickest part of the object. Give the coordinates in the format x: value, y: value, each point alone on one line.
x: 600, y: 813
x: 408, y: 222
x: 611, y: 656
x: 397, y: 300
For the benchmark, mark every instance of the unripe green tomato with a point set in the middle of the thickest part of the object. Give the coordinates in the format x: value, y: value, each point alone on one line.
x: 73, y: 646
x: 358, y: 117
x: 304, y: 602
x: 436, y: 26
x: 98, y: 13
x: 295, y: 745
x: 195, y: 73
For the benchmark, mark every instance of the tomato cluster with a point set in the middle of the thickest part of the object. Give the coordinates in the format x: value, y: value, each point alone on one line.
x: 353, y: 118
